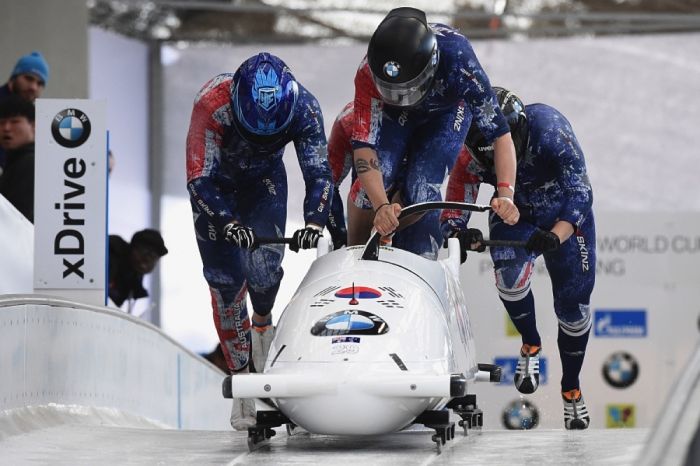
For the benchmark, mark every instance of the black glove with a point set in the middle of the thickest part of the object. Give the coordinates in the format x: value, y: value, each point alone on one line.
x: 337, y: 230
x: 466, y: 239
x: 542, y: 241
x: 305, y: 238
x: 339, y: 239
x: 239, y: 235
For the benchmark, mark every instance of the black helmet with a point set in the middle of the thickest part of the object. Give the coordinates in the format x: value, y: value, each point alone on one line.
x: 514, y: 111
x: 403, y: 56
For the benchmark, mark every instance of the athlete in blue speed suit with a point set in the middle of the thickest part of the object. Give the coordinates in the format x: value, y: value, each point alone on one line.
x: 554, y: 197
x: 237, y: 183
x: 416, y: 93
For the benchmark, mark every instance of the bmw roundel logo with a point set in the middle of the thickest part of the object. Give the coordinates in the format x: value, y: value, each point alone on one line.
x: 70, y: 128
x: 520, y: 415
x: 621, y: 369
x: 391, y: 69
x: 350, y: 322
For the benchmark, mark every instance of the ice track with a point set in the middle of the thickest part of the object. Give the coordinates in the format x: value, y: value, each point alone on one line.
x: 113, y: 445
x: 111, y: 384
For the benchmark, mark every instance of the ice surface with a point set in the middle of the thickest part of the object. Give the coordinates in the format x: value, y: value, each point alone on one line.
x: 85, y: 438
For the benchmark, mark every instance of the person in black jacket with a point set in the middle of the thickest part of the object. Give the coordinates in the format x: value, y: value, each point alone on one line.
x: 27, y: 80
x: 129, y: 262
x: 17, y: 140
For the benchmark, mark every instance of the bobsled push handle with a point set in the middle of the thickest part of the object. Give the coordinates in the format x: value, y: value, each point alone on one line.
x: 503, y: 243
x: 322, y: 247
x: 371, y: 251
x: 282, y: 240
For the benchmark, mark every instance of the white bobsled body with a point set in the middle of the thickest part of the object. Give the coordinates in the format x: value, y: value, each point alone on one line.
x: 365, y: 346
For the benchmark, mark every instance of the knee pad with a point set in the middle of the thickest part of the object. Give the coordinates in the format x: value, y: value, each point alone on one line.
x: 576, y: 320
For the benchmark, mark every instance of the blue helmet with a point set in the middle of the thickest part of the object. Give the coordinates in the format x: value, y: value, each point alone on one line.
x: 263, y: 98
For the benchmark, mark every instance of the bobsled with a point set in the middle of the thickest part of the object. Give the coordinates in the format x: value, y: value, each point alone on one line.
x: 375, y: 339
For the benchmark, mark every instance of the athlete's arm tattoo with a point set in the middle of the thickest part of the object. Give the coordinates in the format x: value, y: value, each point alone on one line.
x: 363, y: 166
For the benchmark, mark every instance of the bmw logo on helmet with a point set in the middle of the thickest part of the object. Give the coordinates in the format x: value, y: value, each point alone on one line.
x: 621, y: 369
x: 70, y: 128
x: 392, y: 69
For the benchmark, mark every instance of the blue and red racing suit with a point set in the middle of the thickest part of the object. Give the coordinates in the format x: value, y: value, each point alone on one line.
x: 552, y: 184
x: 430, y: 134
x: 229, y: 178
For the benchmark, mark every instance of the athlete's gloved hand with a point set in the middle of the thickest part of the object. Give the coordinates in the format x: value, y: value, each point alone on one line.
x: 305, y: 238
x: 338, y: 231
x: 468, y: 240
x: 239, y: 235
x: 542, y: 241
x: 339, y: 239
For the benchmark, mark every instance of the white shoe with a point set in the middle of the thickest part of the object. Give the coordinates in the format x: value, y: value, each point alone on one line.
x: 575, y: 411
x: 527, y: 372
x: 261, y: 342
x: 243, y: 413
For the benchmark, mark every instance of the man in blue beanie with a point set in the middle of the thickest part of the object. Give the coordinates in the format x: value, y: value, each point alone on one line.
x: 28, y: 78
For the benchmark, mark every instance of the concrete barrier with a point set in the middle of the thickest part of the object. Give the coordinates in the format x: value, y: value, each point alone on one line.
x: 54, y: 351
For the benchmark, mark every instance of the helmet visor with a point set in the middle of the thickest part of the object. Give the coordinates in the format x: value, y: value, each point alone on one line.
x: 411, y: 92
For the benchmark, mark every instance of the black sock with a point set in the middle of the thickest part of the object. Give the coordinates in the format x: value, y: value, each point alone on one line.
x: 572, y: 351
x: 522, y: 314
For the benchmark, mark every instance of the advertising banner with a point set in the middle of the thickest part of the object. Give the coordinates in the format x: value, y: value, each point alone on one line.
x: 70, y: 199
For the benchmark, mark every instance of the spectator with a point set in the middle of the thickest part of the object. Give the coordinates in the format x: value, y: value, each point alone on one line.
x: 17, y: 141
x: 28, y: 78
x: 129, y: 262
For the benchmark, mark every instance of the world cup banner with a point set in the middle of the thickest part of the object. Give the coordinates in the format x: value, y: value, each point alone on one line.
x: 70, y: 199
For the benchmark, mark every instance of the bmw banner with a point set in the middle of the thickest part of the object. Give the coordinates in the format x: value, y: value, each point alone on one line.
x: 70, y: 199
